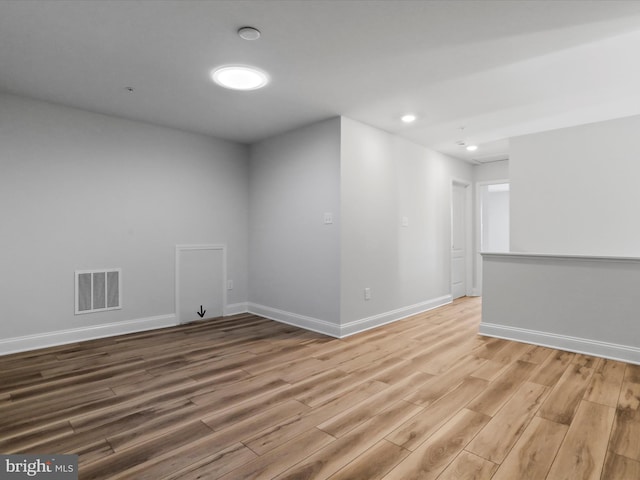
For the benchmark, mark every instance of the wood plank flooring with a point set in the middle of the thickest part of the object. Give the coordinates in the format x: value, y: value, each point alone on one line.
x: 244, y: 397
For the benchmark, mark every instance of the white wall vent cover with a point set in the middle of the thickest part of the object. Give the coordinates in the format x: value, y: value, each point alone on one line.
x: 98, y: 290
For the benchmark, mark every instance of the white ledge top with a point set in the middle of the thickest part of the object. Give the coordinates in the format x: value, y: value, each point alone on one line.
x: 557, y: 256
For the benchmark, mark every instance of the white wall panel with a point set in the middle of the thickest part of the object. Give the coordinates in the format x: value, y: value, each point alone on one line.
x: 575, y: 190
x: 583, y: 304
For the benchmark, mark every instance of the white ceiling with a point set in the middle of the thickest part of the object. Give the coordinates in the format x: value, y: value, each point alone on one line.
x: 500, y: 68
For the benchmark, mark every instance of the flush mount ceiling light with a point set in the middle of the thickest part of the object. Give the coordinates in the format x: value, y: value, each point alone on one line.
x: 472, y: 148
x: 408, y: 118
x: 239, y: 77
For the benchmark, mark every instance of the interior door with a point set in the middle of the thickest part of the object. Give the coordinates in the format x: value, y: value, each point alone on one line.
x: 458, y: 240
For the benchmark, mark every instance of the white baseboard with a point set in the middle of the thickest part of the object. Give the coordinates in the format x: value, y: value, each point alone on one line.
x: 613, y: 351
x: 357, y: 326
x: 351, y: 328
x: 62, y: 337
x: 302, y: 321
x: 235, y: 309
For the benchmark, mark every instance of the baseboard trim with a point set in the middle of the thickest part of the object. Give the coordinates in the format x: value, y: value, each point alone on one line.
x: 348, y: 329
x: 364, y: 324
x: 302, y: 321
x: 62, y: 337
x: 597, y: 348
x: 235, y: 309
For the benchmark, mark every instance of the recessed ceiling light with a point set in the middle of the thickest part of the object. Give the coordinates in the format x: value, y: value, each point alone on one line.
x: 239, y: 77
x: 472, y: 148
x: 408, y: 118
x: 249, y: 33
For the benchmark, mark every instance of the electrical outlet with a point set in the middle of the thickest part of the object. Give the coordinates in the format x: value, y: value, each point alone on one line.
x: 328, y: 218
x: 229, y: 284
x: 405, y: 221
x: 367, y: 293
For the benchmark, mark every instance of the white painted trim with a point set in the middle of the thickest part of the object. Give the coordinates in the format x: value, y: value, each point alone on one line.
x: 235, y: 309
x: 556, y: 256
x: 350, y: 328
x: 62, y: 337
x: 302, y: 321
x: 182, y: 248
x: 357, y: 326
x: 586, y: 346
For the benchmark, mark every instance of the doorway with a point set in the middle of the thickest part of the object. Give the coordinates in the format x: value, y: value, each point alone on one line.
x: 494, y: 217
x: 492, y: 221
x: 460, y: 208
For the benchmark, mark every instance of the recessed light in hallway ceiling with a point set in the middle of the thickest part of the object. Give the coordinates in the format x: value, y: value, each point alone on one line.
x: 408, y: 118
x: 462, y: 142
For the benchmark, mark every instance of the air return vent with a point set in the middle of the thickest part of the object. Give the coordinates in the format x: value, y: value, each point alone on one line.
x: 98, y: 290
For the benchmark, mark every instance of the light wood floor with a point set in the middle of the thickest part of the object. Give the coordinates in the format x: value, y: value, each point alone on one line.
x: 244, y: 397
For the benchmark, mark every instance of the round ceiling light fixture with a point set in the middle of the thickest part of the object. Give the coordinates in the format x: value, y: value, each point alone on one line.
x: 249, y: 33
x: 472, y: 148
x: 408, y: 118
x: 239, y: 77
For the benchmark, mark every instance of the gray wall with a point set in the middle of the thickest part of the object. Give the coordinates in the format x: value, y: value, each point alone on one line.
x: 295, y: 257
x: 80, y: 190
x: 385, y: 178
x: 573, y: 198
x: 582, y: 304
x: 313, y: 275
x: 575, y: 190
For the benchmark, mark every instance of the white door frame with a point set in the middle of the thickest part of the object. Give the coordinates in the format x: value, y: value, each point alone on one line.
x: 478, y: 227
x: 468, y: 224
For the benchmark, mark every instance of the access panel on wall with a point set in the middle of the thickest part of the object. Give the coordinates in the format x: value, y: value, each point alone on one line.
x: 200, y: 281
